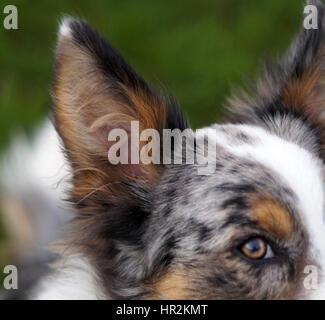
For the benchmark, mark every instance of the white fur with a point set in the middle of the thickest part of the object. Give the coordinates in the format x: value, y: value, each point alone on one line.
x: 302, y: 171
x: 43, y: 165
x: 39, y: 168
x: 74, y: 279
x: 64, y: 29
x: 39, y: 165
x: 36, y: 170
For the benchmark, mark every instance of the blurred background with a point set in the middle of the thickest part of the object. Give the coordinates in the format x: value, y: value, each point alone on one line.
x: 194, y: 49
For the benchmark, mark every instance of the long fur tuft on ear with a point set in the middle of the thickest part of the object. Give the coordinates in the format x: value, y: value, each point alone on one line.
x: 293, y: 88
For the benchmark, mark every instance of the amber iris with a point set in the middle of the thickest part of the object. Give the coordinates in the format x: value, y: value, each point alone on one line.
x: 254, y: 248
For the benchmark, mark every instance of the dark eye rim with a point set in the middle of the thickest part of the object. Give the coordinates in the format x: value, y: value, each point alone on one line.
x: 262, y: 261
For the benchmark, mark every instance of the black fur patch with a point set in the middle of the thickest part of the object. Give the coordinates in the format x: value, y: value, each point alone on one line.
x: 113, y: 65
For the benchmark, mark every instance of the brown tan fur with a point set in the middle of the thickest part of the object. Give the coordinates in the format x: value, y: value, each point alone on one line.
x: 81, y: 90
x: 272, y: 217
x: 175, y: 285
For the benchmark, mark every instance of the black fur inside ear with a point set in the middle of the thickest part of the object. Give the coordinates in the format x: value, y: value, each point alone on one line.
x: 175, y: 116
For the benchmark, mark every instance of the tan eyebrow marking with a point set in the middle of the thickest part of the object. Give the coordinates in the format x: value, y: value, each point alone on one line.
x: 273, y: 217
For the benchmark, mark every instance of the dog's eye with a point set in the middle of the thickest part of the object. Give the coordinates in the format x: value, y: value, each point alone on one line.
x: 257, y: 249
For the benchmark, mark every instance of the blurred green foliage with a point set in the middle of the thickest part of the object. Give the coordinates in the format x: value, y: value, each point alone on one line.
x: 194, y: 49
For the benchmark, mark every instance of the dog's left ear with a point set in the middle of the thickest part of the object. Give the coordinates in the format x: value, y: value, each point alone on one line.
x: 295, y: 86
x: 96, y: 92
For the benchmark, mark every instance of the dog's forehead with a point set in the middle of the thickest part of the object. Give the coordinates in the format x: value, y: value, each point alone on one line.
x: 297, y: 167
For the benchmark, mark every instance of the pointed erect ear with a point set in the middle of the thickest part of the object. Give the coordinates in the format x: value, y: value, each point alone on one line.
x: 295, y: 86
x: 304, y: 68
x: 96, y: 91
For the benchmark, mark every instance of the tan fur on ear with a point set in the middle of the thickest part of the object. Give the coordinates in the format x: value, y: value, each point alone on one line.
x: 306, y: 95
x: 88, y: 103
x: 301, y: 92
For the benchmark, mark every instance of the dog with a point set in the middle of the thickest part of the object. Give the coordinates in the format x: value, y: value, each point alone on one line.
x: 249, y: 230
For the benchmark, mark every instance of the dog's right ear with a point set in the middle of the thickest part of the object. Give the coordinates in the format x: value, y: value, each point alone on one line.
x: 292, y: 88
x: 96, y: 91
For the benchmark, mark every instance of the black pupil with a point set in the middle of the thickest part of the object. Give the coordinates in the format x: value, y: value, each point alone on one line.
x: 254, y: 246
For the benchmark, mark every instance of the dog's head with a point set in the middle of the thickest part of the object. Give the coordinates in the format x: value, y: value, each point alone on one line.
x: 254, y: 228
